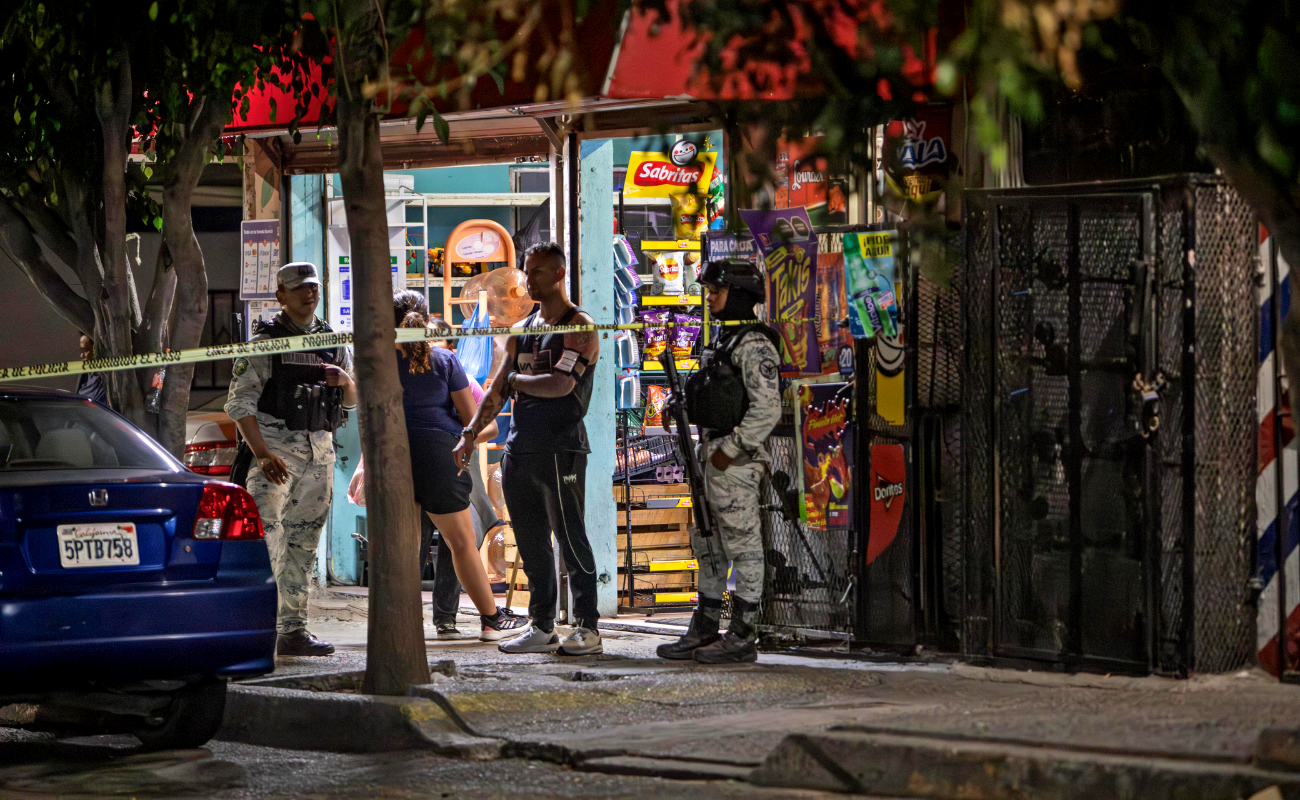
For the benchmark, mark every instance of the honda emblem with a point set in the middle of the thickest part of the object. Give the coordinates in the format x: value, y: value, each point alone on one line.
x: 99, y: 497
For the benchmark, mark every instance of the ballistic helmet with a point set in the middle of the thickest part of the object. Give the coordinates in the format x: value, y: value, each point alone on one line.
x: 734, y: 272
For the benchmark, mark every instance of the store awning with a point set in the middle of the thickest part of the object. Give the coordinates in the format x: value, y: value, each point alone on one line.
x: 647, y: 59
x: 595, y: 34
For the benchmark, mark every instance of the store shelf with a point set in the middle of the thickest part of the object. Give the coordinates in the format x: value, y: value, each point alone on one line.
x: 674, y: 565
x: 670, y: 300
x: 682, y: 364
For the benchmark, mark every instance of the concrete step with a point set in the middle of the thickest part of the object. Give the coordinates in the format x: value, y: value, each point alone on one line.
x: 669, y: 768
x: 911, y: 765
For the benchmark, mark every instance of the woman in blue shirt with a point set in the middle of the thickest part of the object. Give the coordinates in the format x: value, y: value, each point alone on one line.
x: 437, y: 400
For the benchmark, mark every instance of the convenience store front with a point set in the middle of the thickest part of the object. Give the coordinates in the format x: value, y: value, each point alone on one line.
x: 519, y: 196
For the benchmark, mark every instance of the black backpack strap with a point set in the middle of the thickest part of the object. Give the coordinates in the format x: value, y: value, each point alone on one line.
x: 736, y: 338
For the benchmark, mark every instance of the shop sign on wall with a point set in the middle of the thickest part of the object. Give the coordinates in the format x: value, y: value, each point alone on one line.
x: 803, y: 178
x: 788, y: 248
x: 721, y: 245
x: 260, y: 240
x: 918, y: 162
x: 653, y: 174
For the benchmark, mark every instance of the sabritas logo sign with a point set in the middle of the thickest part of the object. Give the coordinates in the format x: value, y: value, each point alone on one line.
x: 653, y: 174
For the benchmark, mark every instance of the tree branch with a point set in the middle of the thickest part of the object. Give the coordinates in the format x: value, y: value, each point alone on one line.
x: 49, y: 227
x: 113, y: 99
x: 19, y: 244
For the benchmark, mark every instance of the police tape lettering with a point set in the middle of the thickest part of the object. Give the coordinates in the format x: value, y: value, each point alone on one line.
x: 314, y: 341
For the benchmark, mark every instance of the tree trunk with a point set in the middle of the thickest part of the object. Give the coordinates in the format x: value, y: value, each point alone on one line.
x: 190, y: 307
x: 396, y: 658
x: 115, y: 337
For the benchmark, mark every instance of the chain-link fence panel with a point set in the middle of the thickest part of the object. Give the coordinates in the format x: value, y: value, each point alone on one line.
x: 808, y: 569
x: 1226, y: 248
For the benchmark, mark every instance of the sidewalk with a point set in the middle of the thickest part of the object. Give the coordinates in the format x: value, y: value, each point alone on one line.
x: 627, y: 712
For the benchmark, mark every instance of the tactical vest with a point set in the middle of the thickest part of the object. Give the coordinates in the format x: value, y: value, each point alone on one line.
x: 716, y: 398
x: 296, y: 391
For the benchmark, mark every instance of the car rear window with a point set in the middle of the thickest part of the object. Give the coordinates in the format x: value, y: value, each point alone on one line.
x: 39, y: 434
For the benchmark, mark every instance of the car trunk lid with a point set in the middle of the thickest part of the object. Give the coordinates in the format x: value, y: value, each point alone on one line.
x: 97, y: 519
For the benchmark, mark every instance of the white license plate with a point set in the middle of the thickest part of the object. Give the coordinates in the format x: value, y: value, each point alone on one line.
x: 106, y: 545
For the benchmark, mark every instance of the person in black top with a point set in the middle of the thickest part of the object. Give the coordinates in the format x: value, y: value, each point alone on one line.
x: 90, y: 385
x: 544, y: 472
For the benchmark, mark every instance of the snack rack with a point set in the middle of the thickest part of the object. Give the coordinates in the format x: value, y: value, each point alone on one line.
x: 657, y: 564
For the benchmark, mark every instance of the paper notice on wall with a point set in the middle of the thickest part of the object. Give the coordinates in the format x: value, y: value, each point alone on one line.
x: 248, y: 270
x: 260, y: 247
x: 259, y: 311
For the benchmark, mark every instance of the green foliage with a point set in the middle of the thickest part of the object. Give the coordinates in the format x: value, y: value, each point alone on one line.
x: 180, y: 52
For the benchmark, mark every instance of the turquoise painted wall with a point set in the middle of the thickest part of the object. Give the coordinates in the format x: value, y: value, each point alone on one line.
x: 340, y: 559
x: 337, y: 555
x: 596, y: 233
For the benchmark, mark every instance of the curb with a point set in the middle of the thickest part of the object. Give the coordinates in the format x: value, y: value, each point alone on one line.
x: 345, y: 723
x: 912, y: 765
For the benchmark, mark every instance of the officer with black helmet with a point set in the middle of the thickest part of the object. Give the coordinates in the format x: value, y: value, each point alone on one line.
x: 735, y: 401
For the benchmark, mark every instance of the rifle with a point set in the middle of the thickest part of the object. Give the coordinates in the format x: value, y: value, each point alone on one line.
x: 675, y: 407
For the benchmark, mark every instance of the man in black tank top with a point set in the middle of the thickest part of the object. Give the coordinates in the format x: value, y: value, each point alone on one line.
x: 544, y: 472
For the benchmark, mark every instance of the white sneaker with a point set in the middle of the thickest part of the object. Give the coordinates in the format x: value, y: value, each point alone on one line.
x: 532, y: 640
x: 582, y: 642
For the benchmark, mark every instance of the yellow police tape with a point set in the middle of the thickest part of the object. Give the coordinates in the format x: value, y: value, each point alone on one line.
x: 310, y: 341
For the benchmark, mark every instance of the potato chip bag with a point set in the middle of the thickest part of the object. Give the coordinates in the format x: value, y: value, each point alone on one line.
x: 690, y: 215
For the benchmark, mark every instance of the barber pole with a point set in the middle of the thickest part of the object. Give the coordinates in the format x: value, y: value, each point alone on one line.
x: 1272, y: 415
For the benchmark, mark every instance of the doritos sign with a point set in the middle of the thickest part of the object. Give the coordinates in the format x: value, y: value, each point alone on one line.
x: 887, y: 486
x: 654, y: 174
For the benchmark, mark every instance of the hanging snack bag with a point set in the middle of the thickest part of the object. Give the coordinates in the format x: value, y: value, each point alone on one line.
x: 693, y: 267
x: 656, y: 338
x: 668, y: 273
x: 690, y: 215
x: 682, y: 337
x: 655, y: 397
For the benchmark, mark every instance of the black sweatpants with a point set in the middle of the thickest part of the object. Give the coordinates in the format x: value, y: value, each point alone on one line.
x: 546, y: 493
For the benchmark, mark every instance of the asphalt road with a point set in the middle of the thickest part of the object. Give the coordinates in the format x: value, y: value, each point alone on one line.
x: 37, y: 768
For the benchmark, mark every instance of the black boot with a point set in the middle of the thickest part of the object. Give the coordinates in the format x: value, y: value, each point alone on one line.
x: 703, y: 632
x: 301, y: 643
x: 739, y: 645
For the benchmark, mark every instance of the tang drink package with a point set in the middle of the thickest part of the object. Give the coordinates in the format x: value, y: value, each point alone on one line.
x: 681, y: 339
x: 656, y: 338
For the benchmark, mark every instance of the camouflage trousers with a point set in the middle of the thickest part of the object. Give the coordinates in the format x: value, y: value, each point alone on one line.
x: 293, y: 516
x: 734, y: 501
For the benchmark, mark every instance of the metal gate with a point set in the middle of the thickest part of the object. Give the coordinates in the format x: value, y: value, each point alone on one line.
x: 1107, y: 435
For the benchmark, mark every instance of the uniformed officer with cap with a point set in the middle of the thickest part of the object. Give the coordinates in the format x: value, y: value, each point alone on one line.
x: 286, y: 409
x: 735, y: 401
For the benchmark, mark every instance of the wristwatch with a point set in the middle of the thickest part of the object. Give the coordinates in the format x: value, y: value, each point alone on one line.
x: 467, y: 431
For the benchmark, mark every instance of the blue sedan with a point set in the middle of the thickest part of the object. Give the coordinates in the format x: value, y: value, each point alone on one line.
x: 130, y: 587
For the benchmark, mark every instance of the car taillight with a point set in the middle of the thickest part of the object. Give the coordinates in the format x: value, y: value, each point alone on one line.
x: 210, y: 458
x: 226, y: 511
